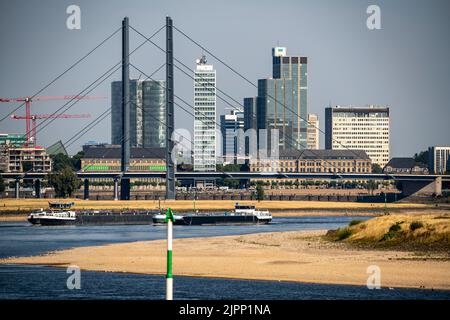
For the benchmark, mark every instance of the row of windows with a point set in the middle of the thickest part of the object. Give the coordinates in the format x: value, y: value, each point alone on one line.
x: 204, y: 84
x: 376, y: 138
x: 314, y: 170
x: 112, y: 161
x: 204, y: 93
x: 318, y: 163
x: 210, y: 104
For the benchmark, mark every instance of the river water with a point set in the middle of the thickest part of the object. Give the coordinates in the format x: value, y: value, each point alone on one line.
x: 37, y: 282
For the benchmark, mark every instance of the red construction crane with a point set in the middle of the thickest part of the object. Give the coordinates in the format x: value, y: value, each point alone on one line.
x: 28, y: 101
x: 35, y: 117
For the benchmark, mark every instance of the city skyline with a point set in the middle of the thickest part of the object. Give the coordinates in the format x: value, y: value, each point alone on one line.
x: 375, y: 69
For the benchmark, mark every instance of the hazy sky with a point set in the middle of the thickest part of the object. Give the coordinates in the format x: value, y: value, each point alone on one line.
x: 404, y: 65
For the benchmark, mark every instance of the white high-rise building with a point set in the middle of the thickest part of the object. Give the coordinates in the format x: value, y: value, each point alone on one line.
x: 313, y: 131
x: 205, y: 116
x: 364, y: 128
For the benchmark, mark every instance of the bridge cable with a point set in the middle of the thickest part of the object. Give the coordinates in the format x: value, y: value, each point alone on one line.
x: 64, y: 72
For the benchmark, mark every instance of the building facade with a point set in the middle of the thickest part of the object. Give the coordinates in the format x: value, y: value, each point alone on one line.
x: 404, y: 166
x: 24, y: 159
x: 313, y: 131
x: 205, y: 116
x: 315, y: 161
x: 99, y: 158
x: 147, y: 113
x: 352, y: 128
x: 231, y: 125
x: 282, y: 102
x: 439, y: 160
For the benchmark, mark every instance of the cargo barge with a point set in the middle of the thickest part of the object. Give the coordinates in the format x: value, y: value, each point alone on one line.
x: 60, y: 214
x: 242, y: 214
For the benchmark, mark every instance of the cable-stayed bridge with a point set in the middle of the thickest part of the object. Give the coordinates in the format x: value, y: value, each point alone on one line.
x: 411, y: 182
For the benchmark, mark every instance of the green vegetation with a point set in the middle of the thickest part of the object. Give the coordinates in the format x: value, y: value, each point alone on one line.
x: 394, y: 231
x: 2, y: 184
x: 61, y: 161
x: 65, y: 182
x: 415, y: 225
x: 354, y: 222
x: 422, y: 157
x: 343, y: 233
x: 232, y: 167
x: 376, y: 168
x: 259, y: 192
x: 371, y: 186
x: 228, y: 182
x: 76, y: 160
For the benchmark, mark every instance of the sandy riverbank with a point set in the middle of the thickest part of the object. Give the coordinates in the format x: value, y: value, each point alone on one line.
x: 288, y: 256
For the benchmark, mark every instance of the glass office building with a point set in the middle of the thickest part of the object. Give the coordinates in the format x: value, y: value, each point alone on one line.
x: 230, y: 124
x: 154, y: 116
x: 282, y: 101
x: 205, y: 116
x: 147, y: 113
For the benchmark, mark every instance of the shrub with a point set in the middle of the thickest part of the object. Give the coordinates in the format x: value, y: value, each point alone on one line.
x: 354, y: 222
x: 395, y: 227
x: 393, y: 231
x: 343, y: 233
x: 415, y: 225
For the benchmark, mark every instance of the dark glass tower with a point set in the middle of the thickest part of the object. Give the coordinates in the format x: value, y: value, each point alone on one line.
x: 282, y: 101
x: 147, y: 113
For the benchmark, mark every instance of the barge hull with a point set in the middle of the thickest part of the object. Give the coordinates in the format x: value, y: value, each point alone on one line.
x: 111, y: 219
x: 221, y: 220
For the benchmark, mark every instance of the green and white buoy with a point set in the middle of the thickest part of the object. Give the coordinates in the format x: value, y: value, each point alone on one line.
x: 169, y: 276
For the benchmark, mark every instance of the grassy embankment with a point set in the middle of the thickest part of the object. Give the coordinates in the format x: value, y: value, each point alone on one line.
x: 410, y: 232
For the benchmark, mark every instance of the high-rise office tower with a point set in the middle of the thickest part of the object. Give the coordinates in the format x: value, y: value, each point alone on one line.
x: 205, y: 116
x: 230, y: 124
x: 313, y: 131
x: 282, y: 101
x: 439, y: 160
x: 135, y: 113
x: 147, y: 113
x: 154, y: 115
x: 359, y: 129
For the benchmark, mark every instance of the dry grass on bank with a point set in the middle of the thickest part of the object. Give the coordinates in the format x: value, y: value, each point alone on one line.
x: 420, y: 231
